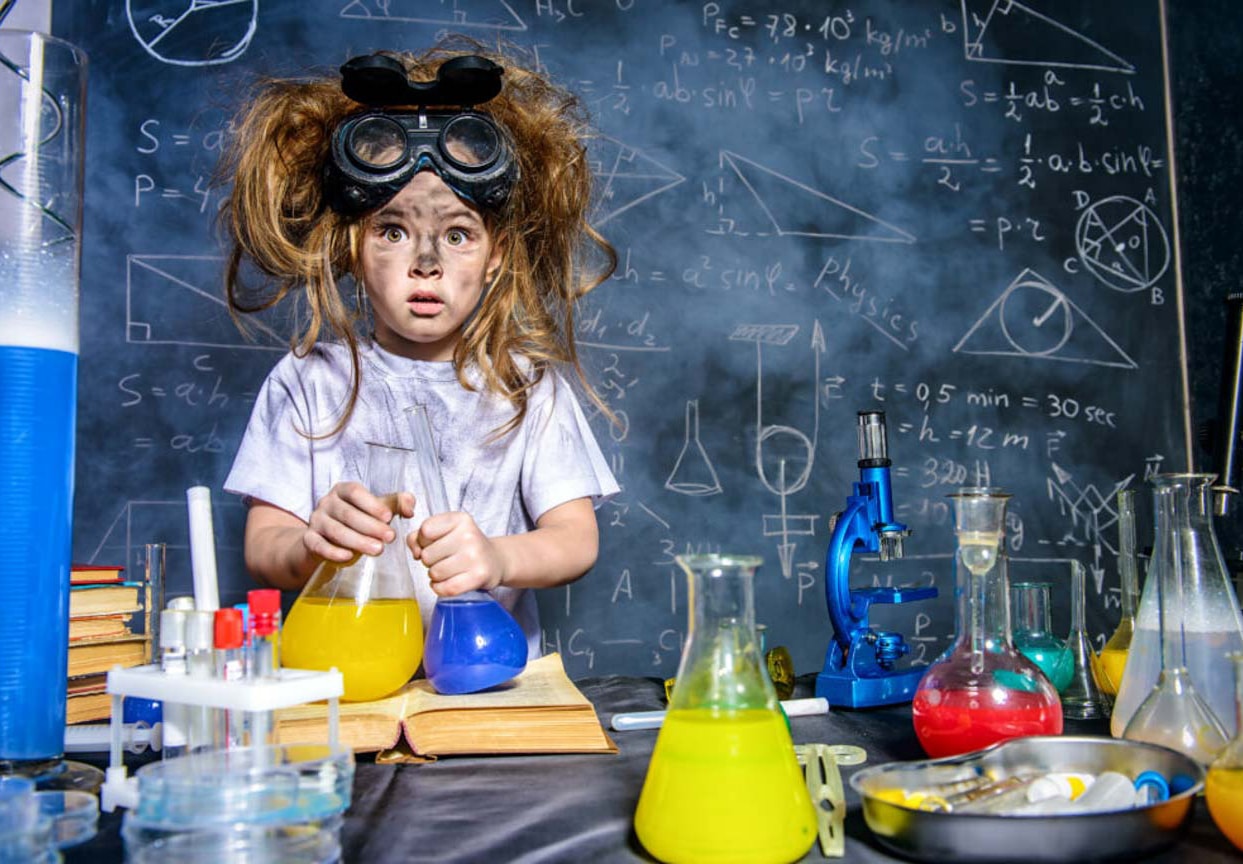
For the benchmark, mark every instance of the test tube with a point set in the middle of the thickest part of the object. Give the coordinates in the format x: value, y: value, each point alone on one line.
x: 173, y: 664
x: 230, y: 666
x: 201, y: 665
x: 265, y: 624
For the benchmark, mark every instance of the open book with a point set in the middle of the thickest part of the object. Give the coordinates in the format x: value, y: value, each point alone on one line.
x: 540, y: 711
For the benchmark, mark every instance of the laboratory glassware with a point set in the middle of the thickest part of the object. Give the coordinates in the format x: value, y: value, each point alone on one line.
x: 1111, y: 660
x: 1209, y: 612
x: 361, y: 617
x: 982, y: 690
x: 1033, y: 633
x: 1082, y: 699
x: 723, y: 783
x: 1224, y: 787
x: 43, y: 93
x: 1174, y: 714
x: 473, y: 643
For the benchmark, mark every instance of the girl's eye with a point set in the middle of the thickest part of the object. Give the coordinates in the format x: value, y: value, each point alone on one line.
x: 393, y: 234
x: 455, y: 236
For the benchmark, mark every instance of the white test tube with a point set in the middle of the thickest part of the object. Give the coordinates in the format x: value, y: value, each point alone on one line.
x: 173, y: 664
x: 202, y: 549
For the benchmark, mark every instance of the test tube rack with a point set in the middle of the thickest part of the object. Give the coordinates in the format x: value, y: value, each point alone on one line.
x: 287, y: 688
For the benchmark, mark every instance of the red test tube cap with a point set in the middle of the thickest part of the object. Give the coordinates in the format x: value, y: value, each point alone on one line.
x: 228, y: 629
x: 264, y: 601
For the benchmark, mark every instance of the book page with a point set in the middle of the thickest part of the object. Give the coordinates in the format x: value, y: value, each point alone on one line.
x: 542, y: 684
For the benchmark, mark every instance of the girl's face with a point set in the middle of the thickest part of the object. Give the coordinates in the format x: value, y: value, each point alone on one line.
x: 426, y: 257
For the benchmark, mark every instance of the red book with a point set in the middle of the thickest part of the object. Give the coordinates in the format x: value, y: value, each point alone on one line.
x: 95, y: 574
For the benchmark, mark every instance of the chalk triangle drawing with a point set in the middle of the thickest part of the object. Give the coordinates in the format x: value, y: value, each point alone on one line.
x: 1032, y: 318
x: 693, y: 473
x: 788, y: 208
x: 625, y: 178
x: 485, y: 14
x: 1002, y: 31
x: 179, y: 300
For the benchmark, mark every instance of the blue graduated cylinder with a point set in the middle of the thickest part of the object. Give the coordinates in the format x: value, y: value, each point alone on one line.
x: 860, y: 664
x: 473, y: 644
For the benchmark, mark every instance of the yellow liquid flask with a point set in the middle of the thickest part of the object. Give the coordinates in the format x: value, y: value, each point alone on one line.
x: 724, y: 784
x: 1224, y: 788
x: 361, y: 617
x: 1112, y: 659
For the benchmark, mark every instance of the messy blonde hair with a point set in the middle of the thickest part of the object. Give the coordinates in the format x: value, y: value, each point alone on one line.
x: 277, y: 218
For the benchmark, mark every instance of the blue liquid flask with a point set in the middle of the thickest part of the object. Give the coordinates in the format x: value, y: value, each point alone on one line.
x: 472, y: 644
x: 40, y: 221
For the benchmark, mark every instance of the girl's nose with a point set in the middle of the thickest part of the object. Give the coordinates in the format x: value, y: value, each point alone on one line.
x: 425, y: 262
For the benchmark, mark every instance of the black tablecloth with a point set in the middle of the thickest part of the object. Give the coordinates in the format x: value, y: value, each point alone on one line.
x: 579, y: 808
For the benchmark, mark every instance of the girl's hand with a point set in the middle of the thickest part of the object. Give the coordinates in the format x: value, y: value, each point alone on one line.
x: 349, y: 520
x: 458, y: 557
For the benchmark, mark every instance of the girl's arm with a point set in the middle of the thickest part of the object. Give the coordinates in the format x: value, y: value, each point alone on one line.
x: 283, y: 551
x: 460, y: 558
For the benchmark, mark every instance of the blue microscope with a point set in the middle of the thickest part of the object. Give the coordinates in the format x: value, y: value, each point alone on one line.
x: 859, y: 667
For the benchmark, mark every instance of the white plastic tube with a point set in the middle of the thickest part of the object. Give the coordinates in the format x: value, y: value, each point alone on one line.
x: 203, y: 549
x: 654, y: 719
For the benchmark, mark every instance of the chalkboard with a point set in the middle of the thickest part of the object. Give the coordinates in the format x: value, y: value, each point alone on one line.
x: 957, y: 213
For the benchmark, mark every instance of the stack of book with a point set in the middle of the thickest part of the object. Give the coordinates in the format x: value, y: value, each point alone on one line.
x: 102, y: 611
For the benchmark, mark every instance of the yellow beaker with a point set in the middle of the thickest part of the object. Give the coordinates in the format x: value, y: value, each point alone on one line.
x: 724, y: 784
x: 1112, y: 659
x: 361, y: 617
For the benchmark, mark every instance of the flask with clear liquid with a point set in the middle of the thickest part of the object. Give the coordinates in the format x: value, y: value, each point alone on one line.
x: 1211, y: 626
x: 982, y: 690
x: 362, y: 616
x: 723, y: 784
x: 1111, y: 661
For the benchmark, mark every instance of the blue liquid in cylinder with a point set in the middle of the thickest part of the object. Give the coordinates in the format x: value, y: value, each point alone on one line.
x: 38, y: 389
x: 472, y: 644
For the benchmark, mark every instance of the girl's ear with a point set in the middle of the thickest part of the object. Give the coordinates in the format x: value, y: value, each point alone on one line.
x: 494, y: 263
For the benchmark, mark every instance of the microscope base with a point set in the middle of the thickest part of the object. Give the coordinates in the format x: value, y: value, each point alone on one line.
x: 845, y: 689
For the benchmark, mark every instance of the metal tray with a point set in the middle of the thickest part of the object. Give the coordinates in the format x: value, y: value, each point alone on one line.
x: 941, y: 836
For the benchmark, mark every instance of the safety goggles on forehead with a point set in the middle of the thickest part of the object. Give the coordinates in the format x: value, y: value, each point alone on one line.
x: 375, y: 153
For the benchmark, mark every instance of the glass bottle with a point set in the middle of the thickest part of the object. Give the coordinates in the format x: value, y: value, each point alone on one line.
x: 1224, y: 788
x: 723, y: 783
x: 1033, y: 634
x: 1208, y: 612
x: 982, y: 690
x: 1082, y: 699
x: 473, y: 643
x: 1174, y: 714
x: 1112, y: 659
x: 362, y: 616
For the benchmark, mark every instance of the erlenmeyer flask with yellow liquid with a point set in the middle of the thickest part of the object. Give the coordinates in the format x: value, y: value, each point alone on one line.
x: 724, y: 784
x: 361, y: 617
x: 1111, y: 661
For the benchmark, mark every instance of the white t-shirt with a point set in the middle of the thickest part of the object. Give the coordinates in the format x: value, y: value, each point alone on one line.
x: 504, y: 484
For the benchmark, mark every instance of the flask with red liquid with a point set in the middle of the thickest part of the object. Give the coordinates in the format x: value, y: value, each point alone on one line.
x: 982, y: 690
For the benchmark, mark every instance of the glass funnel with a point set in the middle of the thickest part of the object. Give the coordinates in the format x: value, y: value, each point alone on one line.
x: 362, y: 617
x: 1033, y: 633
x: 473, y: 643
x: 982, y: 690
x: 1174, y: 714
x: 1206, y: 618
x: 1224, y: 788
x: 723, y: 784
x: 1112, y: 658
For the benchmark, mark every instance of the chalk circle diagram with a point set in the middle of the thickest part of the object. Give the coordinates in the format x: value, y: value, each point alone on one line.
x: 1123, y: 244
x: 787, y: 208
x: 625, y: 178
x: 1003, y: 31
x: 1033, y: 318
x: 193, y: 32
x: 489, y: 14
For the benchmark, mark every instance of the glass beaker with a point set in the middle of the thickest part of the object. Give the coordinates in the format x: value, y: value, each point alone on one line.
x: 362, y: 616
x: 43, y: 95
x: 1111, y: 661
x: 1224, y: 787
x: 1208, y: 611
x: 1033, y: 634
x: 982, y: 690
x: 473, y: 643
x: 1174, y: 714
x: 723, y: 783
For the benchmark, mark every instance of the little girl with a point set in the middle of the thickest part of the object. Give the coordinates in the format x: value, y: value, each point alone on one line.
x: 435, y: 253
